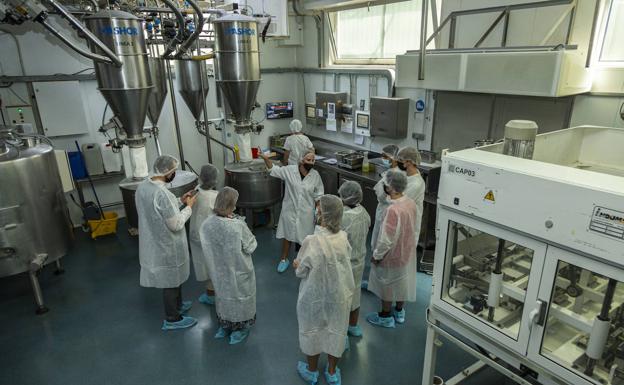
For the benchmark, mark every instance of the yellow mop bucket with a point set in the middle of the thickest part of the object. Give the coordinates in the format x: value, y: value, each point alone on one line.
x: 105, y: 226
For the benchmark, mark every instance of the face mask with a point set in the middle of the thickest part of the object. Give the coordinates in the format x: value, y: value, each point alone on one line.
x: 387, y: 190
x: 386, y: 162
x: 308, y: 166
x: 402, y: 166
x: 170, y: 178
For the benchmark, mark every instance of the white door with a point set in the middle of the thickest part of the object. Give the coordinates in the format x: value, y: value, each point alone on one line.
x: 485, y: 275
x: 577, y: 332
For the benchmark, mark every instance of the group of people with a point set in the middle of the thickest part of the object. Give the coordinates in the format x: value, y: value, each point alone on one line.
x: 329, y: 232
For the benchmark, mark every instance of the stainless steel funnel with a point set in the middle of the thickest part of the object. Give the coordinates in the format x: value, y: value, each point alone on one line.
x: 238, y: 65
x: 126, y: 88
x: 159, y: 93
x: 191, y: 75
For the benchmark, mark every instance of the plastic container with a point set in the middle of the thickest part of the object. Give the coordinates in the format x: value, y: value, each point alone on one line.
x: 112, y: 160
x: 254, y: 152
x: 77, y: 165
x: 100, y: 227
x: 93, y: 158
x: 365, y: 164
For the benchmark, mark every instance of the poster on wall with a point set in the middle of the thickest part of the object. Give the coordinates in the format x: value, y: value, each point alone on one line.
x: 331, y: 125
x: 347, y: 126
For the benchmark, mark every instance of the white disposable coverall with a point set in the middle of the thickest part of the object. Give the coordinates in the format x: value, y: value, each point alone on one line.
x: 416, y: 191
x: 394, y: 278
x: 325, y: 292
x: 297, y: 217
x: 227, y: 244
x: 202, y: 209
x: 356, y: 222
x: 163, y: 248
x: 298, y: 145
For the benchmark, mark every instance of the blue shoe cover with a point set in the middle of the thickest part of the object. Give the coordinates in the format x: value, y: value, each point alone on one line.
x: 334, y: 379
x: 364, y: 285
x: 238, y: 336
x: 185, y: 322
x: 221, y: 333
x: 308, y: 376
x: 186, y: 306
x: 384, y: 322
x: 355, y: 331
x: 283, y: 265
x: 399, y: 316
x: 347, y: 343
x: 206, y: 299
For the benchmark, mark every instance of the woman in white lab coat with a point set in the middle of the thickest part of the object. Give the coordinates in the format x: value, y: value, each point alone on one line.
x: 203, y: 208
x: 389, y: 155
x: 303, y: 187
x: 228, y: 244
x: 408, y: 160
x: 325, y: 293
x: 297, y: 144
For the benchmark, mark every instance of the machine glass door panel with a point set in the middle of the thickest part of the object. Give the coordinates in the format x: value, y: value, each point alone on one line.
x: 581, y: 335
x: 488, y: 276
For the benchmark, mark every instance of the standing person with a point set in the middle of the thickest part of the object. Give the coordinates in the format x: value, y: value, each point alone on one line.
x: 408, y: 160
x: 228, y: 244
x: 355, y: 222
x: 389, y: 155
x: 163, y: 248
x: 303, y: 188
x: 325, y: 293
x: 393, y: 271
x: 296, y: 145
x: 204, y: 206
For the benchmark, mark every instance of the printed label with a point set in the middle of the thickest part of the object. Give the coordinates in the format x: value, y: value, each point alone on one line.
x: 607, y: 222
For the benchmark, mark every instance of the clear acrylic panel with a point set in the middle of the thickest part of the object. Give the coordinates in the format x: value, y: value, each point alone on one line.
x: 584, y: 329
x: 487, y: 277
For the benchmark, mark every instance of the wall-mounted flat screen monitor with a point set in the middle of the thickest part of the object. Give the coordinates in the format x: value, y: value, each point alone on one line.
x: 279, y: 110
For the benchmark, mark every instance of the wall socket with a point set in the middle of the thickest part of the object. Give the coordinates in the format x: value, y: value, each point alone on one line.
x: 418, y: 136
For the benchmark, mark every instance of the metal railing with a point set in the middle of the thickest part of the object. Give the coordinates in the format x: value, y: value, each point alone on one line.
x: 504, y: 13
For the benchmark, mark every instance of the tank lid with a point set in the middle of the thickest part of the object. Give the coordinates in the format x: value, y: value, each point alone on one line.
x: 521, y: 130
x: 230, y: 17
x: 255, y: 166
x: 112, y: 14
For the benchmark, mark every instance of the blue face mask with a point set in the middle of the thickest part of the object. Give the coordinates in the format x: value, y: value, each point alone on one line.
x: 386, y: 162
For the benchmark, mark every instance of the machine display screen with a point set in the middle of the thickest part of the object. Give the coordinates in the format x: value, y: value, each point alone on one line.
x: 362, y: 121
x: 279, y: 110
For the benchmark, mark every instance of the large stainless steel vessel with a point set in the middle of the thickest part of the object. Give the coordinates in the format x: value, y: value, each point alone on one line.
x: 35, y: 228
x: 184, y: 181
x: 193, y: 84
x: 159, y: 92
x: 256, y: 188
x: 126, y: 88
x: 238, y: 65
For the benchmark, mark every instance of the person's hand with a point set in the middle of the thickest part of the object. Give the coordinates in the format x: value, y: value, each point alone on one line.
x: 187, y: 195
x: 375, y: 261
x: 190, y: 200
x: 262, y: 155
x: 296, y: 264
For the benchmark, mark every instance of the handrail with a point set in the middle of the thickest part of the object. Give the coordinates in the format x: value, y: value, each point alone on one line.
x: 504, y: 10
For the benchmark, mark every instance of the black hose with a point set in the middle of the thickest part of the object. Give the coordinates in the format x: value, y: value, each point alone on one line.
x: 179, y: 32
x: 195, y: 35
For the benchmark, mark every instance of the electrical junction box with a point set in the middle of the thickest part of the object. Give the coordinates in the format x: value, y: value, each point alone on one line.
x: 389, y: 117
x: 20, y: 115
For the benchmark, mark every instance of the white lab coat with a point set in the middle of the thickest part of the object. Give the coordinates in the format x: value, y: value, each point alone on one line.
x: 356, y: 222
x: 228, y: 244
x: 382, y: 204
x: 394, y: 277
x: 202, y: 209
x: 297, y: 217
x: 163, y: 248
x: 325, y: 292
x: 416, y: 191
x: 298, y: 145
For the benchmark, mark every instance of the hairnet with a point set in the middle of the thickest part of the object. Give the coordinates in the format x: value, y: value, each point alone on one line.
x: 295, y: 126
x: 397, y: 180
x: 351, y: 193
x: 411, y: 154
x: 208, y: 177
x: 390, y: 150
x: 331, y: 212
x: 225, y: 201
x: 164, y: 165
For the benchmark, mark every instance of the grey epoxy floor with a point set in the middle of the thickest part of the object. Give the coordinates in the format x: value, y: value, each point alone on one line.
x: 105, y: 329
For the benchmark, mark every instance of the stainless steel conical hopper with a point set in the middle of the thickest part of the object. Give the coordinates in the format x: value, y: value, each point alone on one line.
x: 238, y: 65
x: 191, y: 75
x: 159, y: 92
x: 126, y: 88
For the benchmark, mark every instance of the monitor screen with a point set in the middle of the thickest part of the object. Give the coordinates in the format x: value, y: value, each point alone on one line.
x: 279, y: 110
x: 362, y: 121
